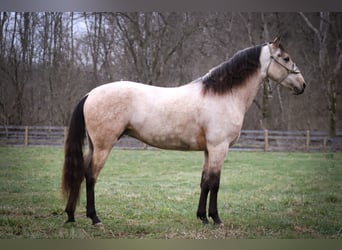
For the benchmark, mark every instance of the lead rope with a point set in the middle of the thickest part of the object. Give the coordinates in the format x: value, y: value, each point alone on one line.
x: 267, y: 84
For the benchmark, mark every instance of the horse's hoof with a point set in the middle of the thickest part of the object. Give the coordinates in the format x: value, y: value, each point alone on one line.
x: 204, y: 221
x: 219, y: 225
x: 99, y: 225
x: 69, y: 222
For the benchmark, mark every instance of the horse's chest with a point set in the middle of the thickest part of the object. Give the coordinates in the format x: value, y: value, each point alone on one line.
x: 226, y: 130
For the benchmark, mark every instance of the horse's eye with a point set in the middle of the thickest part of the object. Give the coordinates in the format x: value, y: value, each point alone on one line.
x: 286, y: 59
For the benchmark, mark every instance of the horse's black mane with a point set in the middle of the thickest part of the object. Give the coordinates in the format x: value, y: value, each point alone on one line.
x: 233, y: 72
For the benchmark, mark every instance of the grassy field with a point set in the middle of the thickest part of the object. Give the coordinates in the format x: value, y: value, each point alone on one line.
x: 154, y: 194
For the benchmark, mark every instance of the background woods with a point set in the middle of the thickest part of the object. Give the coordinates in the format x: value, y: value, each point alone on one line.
x: 49, y: 60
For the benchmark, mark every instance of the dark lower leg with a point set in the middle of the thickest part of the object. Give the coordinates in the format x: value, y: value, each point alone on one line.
x: 202, y: 205
x: 214, y: 187
x: 91, y: 212
x: 72, y: 202
x: 70, y: 210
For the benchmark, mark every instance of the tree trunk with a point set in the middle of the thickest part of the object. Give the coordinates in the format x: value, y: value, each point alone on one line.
x: 328, y: 74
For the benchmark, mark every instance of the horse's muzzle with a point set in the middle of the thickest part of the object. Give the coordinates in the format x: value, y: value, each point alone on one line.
x: 298, y: 91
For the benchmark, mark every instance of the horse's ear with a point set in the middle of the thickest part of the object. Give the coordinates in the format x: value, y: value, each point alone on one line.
x: 276, y: 41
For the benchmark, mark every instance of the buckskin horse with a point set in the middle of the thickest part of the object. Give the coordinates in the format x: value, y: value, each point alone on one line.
x: 206, y: 114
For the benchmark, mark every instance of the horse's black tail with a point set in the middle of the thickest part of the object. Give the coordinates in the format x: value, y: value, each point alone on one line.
x: 74, y: 169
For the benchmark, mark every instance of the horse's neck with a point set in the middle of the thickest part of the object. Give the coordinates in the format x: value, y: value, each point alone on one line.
x: 246, y: 93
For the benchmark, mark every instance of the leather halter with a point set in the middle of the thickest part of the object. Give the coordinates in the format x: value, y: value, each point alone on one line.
x: 294, y: 69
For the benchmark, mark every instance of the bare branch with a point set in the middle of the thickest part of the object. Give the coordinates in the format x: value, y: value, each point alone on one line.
x: 311, y: 26
x: 337, y: 68
x: 265, y: 26
x: 248, y: 26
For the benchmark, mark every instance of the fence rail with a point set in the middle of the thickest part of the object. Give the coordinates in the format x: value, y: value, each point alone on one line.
x: 250, y: 140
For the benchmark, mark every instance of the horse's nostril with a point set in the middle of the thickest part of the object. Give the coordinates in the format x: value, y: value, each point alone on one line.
x: 304, y: 85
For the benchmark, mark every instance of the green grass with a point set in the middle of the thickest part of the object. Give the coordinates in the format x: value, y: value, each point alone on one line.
x: 154, y: 194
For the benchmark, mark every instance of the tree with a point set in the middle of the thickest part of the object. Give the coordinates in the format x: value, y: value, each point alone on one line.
x: 48, y: 60
x: 150, y: 40
x: 16, y: 60
x: 328, y: 39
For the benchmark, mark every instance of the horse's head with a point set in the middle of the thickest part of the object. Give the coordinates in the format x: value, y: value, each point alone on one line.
x: 283, y: 70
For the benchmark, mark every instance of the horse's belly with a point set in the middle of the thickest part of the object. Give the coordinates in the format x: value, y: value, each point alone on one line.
x: 169, y: 141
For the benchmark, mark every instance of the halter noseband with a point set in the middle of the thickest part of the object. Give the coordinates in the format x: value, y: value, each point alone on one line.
x: 294, y: 69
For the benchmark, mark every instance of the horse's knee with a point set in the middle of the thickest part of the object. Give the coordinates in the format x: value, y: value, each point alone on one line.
x: 204, y: 181
x: 214, y: 181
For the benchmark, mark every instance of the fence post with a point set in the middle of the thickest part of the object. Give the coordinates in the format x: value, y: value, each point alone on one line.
x: 26, y: 136
x: 266, y: 139
x: 325, y: 143
x: 307, y: 145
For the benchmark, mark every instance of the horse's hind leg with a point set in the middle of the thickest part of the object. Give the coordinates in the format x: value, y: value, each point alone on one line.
x: 94, y: 163
x: 72, y: 201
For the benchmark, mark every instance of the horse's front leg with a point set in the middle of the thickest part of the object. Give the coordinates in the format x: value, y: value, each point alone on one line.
x: 211, y: 181
x: 214, y: 185
x: 202, y: 205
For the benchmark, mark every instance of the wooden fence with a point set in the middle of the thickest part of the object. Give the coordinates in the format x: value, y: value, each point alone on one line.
x: 250, y: 140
